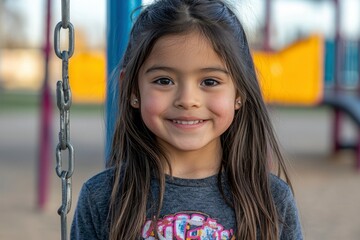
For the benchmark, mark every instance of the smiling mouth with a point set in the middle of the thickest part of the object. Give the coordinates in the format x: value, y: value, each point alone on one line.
x: 193, y: 122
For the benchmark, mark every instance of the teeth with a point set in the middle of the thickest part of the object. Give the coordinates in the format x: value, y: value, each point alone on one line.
x: 187, y: 122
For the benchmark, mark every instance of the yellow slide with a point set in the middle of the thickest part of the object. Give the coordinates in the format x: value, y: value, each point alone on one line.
x: 294, y: 75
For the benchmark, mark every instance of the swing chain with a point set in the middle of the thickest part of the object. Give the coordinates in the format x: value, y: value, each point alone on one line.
x: 64, y: 99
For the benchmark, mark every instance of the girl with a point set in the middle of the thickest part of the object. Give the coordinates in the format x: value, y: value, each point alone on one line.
x: 191, y: 149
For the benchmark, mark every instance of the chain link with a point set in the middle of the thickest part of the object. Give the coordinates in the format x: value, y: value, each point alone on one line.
x: 71, y: 41
x: 65, y: 13
x: 63, y: 96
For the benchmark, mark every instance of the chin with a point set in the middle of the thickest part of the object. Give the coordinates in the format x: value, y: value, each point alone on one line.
x: 189, y: 147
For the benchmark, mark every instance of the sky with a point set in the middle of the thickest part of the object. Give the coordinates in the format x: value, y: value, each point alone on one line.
x: 291, y: 18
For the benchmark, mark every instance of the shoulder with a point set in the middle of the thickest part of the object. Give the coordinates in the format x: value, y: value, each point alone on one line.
x: 97, y: 190
x: 280, y: 190
x: 101, y: 182
x: 290, y: 227
x: 90, y: 218
x: 283, y: 197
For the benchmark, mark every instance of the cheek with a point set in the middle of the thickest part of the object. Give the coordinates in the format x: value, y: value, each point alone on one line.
x: 151, y: 109
x: 222, y: 104
x: 224, y: 108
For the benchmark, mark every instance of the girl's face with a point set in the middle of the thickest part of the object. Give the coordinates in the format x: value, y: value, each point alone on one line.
x: 187, y: 97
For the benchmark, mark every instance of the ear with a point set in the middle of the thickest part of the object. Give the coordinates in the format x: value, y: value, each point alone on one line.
x: 134, y: 101
x: 237, y: 103
x: 122, y: 74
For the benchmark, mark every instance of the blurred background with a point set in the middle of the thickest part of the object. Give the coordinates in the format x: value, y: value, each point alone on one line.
x: 298, y: 75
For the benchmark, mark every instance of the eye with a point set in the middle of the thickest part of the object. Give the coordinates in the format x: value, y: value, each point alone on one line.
x: 163, y: 81
x: 210, y: 82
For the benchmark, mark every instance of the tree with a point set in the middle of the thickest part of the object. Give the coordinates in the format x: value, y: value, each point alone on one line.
x: 12, y: 27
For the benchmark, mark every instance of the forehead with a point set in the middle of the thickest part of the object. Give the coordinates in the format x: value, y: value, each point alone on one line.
x: 186, y: 51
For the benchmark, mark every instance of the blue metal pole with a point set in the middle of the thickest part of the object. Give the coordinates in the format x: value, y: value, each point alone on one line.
x: 119, y: 22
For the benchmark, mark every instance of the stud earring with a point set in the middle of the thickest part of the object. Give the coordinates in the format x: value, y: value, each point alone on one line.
x: 135, y: 101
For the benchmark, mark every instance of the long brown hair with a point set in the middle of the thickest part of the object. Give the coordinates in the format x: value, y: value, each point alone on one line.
x: 247, y: 144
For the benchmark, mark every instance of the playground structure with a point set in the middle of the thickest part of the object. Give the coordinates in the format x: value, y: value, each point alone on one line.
x: 310, y: 72
x: 339, y: 92
x: 314, y: 89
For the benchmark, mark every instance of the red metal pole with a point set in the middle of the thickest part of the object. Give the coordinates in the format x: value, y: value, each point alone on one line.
x: 337, y: 76
x: 358, y: 152
x: 267, y: 29
x: 45, y: 123
x: 338, y: 47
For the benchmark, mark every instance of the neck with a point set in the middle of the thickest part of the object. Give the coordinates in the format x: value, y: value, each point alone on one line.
x: 195, y: 164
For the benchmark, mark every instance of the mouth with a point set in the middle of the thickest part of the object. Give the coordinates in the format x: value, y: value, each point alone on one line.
x: 182, y: 122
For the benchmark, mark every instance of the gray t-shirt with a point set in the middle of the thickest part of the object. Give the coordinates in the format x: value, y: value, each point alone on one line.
x: 192, y: 209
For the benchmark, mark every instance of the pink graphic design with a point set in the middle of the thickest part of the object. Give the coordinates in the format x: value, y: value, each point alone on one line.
x: 187, y: 226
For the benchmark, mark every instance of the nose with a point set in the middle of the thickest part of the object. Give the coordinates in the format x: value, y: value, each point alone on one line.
x: 187, y: 97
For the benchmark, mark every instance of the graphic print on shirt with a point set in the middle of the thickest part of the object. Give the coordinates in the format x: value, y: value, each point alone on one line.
x: 187, y: 226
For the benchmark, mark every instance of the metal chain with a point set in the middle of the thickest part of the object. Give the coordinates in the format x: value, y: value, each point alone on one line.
x: 63, y: 95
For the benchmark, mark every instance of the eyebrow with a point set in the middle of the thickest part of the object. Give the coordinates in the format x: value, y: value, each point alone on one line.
x: 170, y: 69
